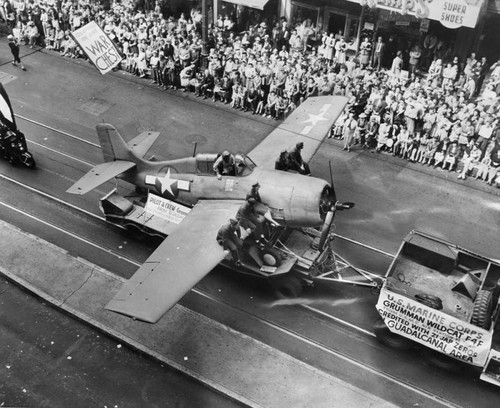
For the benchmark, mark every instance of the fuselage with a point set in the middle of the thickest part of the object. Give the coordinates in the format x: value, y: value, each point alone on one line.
x: 294, y: 199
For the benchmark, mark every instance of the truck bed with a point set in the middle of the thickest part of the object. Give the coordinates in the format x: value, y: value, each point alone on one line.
x: 411, y: 278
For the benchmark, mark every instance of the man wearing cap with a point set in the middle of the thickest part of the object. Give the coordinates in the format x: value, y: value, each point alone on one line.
x: 295, y: 161
x: 225, y: 165
x: 260, y: 207
x: 14, y: 49
x: 229, y: 237
x: 248, y: 218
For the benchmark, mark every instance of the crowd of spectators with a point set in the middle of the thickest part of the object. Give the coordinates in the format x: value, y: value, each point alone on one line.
x: 426, y: 107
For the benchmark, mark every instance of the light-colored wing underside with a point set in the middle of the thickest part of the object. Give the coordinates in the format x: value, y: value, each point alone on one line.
x: 309, y: 123
x: 181, y: 261
x: 99, y: 175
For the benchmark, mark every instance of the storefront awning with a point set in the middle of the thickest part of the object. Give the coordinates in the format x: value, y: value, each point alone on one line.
x: 257, y: 4
x: 451, y: 13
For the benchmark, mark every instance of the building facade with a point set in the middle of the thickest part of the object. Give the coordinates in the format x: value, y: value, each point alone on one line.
x: 460, y: 26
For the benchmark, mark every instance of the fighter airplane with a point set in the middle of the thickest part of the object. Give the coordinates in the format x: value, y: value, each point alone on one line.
x: 190, y: 251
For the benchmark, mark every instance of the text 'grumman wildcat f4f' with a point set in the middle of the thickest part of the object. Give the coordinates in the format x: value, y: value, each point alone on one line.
x: 190, y: 251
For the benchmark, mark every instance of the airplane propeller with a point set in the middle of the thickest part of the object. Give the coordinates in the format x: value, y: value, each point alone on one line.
x: 330, y: 206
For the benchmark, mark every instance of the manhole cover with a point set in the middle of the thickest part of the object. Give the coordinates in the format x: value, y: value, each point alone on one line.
x: 6, y: 78
x: 195, y: 138
x: 95, y: 106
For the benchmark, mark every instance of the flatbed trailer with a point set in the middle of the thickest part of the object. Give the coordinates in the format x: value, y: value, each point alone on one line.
x: 289, y: 259
x: 446, y: 299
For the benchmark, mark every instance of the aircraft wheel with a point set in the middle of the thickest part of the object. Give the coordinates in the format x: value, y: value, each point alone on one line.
x: 287, y: 287
x: 483, y: 307
x: 442, y: 361
x: 390, y: 339
x: 271, y: 257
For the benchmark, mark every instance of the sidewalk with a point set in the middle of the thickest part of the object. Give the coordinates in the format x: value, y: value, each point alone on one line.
x: 450, y: 176
x: 225, y: 360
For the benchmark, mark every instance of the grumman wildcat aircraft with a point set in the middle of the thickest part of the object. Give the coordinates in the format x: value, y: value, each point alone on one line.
x: 191, y: 251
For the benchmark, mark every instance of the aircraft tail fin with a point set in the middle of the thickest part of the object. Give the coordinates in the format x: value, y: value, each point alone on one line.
x: 112, y: 144
x: 119, y: 157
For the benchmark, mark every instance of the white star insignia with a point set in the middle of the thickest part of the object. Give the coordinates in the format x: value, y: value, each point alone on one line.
x: 314, y: 119
x: 166, y: 183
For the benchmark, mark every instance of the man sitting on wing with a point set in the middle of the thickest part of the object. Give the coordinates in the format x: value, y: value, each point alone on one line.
x: 295, y: 160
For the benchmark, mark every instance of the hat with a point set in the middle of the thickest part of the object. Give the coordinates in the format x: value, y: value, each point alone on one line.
x: 225, y: 154
x: 300, y: 145
x: 363, y: 115
x: 10, y: 37
x: 256, y: 185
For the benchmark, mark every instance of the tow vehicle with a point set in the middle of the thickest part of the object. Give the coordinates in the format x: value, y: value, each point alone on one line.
x: 289, y: 258
x: 445, y: 298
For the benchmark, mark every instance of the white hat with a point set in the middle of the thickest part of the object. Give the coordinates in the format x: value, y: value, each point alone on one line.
x: 10, y: 37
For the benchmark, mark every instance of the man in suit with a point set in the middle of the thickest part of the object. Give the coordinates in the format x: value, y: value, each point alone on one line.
x: 378, y: 53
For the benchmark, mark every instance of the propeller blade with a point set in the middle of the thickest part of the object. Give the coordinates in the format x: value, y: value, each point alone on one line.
x: 331, y: 179
x: 326, y: 229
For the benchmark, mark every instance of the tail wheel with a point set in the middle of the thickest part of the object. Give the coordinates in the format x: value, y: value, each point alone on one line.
x: 271, y: 257
x: 483, y: 308
x: 390, y: 339
x: 287, y: 287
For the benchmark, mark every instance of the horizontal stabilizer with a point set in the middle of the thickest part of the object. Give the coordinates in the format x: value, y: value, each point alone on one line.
x: 99, y: 175
x: 143, y: 142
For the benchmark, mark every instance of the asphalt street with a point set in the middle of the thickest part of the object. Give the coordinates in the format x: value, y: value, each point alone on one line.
x: 392, y: 197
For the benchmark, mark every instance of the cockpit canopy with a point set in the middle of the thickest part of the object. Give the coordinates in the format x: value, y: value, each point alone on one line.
x: 205, y: 164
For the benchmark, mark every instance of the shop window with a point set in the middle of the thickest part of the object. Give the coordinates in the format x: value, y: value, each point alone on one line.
x: 301, y: 12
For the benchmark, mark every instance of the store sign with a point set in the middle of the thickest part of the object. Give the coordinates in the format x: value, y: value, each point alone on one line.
x: 424, y: 25
x: 451, y: 13
x: 434, y: 329
x: 166, y: 209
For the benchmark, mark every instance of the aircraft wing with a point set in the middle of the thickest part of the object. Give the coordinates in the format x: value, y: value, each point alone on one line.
x: 309, y: 123
x: 181, y: 261
x: 99, y: 175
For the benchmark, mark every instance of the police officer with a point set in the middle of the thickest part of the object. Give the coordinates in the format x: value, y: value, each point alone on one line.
x: 14, y: 49
x: 225, y: 165
x: 229, y: 237
x: 295, y: 160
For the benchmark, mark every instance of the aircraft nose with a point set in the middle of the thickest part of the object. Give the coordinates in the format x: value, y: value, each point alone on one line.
x: 327, y: 200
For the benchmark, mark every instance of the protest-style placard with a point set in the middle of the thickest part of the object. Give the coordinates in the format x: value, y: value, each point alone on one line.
x: 97, y: 46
